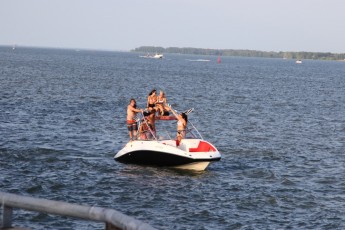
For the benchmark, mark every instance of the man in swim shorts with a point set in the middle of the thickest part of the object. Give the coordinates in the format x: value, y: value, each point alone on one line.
x: 131, y: 122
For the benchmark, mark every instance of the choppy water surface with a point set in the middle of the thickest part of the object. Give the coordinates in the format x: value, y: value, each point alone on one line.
x: 279, y: 126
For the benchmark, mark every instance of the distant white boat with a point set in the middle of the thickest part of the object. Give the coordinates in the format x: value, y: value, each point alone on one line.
x: 156, y: 56
x: 299, y: 62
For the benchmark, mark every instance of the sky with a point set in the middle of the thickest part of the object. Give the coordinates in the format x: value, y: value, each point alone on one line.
x: 122, y: 25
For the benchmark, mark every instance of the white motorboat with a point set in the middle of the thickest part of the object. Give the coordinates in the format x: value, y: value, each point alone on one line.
x: 298, y: 61
x: 192, y: 153
x: 156, y: 56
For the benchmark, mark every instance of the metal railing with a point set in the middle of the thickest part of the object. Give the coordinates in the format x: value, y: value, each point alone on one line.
x: 112, y: 218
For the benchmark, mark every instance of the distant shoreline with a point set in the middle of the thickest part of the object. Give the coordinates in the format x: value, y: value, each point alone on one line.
x: 244, y: 53
x: 211, y: 52
x: 61, y: 48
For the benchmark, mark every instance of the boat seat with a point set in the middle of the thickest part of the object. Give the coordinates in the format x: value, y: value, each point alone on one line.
x: 203, y: 147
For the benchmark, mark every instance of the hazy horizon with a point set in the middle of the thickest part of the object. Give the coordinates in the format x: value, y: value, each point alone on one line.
x: 267, y: 25
x: 132, y: 50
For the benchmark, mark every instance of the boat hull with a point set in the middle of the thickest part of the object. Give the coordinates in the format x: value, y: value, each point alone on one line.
x: 167, y: 154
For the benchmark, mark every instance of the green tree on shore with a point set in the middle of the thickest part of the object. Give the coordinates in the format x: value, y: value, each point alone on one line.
x: 242, y: 53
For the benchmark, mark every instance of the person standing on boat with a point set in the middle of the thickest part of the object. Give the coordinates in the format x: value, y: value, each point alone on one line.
x: 151, y: 121
x: 182, y: 120
x: 131, y: 122
x: 147, y: 129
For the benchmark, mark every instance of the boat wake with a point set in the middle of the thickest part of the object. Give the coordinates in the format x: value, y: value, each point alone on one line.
x: 198, y: 60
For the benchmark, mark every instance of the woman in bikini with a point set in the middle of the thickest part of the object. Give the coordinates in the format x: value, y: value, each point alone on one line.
x: 151, y: 100
x: 182, y: 120
x: 161, y: 103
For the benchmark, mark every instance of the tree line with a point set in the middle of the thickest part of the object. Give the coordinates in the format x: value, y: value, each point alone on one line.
x: 242, y: 53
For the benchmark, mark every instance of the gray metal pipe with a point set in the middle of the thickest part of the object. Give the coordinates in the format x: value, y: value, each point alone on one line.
x: 106, y: 215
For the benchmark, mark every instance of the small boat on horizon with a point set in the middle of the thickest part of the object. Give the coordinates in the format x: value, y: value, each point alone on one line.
x: 298, y: 61
x: 156, y: 56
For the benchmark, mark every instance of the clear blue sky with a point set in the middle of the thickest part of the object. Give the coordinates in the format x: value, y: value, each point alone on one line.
x: 268, y: 25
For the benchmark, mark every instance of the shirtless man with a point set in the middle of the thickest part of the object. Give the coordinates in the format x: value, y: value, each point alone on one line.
x: 151, y: 121
x: 147, y: 128
x: 131, y: 122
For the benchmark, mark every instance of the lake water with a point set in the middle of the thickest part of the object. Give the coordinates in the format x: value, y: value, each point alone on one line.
x: 280, y: 127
